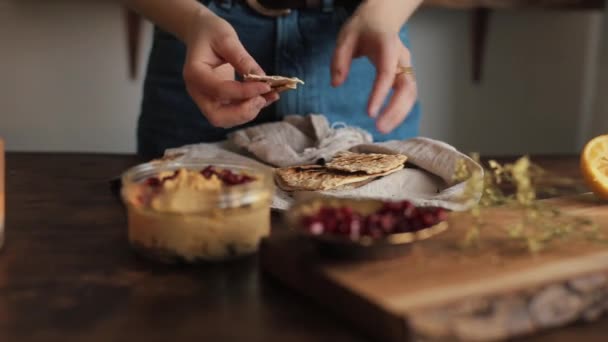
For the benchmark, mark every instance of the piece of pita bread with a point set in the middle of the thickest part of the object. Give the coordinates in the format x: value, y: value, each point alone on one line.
x: 369, y: 163
x: 319, y: 178
x: 278, y: 83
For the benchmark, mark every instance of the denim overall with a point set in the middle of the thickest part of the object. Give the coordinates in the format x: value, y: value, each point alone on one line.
x: 299, y: 44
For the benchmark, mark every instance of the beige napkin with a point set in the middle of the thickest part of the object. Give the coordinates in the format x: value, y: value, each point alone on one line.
x: 306, y: 139
x: 298, y: 140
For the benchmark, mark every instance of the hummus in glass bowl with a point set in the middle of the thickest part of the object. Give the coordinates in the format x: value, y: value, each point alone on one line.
x: 197, y: 210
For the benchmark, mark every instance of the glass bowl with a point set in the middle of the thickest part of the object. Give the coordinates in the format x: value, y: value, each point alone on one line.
x: 196, y: 223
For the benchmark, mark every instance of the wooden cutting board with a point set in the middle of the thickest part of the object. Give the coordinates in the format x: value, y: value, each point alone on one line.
x: 441, y: 291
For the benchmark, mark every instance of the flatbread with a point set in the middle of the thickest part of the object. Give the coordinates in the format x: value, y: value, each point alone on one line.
x: 369, y: 163
x: 319, y: 178
x: 278, y: 83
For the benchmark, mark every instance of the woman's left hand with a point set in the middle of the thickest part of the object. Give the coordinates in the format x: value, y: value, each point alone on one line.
x: 373, y: 32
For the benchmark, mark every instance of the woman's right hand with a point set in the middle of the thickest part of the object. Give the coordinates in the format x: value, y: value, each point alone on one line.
x: 214, y: 53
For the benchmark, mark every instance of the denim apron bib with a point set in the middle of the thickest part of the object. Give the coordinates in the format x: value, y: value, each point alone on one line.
x: 300, y: 44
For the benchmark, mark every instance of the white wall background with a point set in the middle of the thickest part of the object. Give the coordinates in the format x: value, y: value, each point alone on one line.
x: 65, y: 85
x: 64, y: 72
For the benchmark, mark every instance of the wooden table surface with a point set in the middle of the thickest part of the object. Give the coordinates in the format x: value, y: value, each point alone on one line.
x: 67, y: 272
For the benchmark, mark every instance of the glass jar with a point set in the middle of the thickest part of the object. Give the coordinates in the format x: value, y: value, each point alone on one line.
x: 211, y: 225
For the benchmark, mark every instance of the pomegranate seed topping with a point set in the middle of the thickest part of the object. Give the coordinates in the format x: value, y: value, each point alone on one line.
x: 316, y: 228
x: 376, y: 233
x: 327, y: 212
x: 373, y: 222
x: 442, y: 214
x: 403, y: 226
x: 346, y: 211
x: 226, y: 176
x: 246, y: 179
x: 392, y: 217
x: 392, y: 206
x: 355, y: 228
x: 331, y: 225
x: 428, y: 219
x: 173, y: 176
x: 208, y: 172
x: 153, y: 182
x: 387, y: 223
x: 343, y: 227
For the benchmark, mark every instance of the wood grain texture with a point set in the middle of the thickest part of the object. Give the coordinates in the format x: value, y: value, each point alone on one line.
x: 445, y: 272
x: 67, y: 272
x: 439, y: 274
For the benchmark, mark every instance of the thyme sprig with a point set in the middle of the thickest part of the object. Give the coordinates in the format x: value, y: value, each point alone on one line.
x: 539, y: 223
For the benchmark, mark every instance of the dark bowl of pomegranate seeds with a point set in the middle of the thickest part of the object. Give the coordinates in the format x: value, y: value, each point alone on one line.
x: 366, y: 228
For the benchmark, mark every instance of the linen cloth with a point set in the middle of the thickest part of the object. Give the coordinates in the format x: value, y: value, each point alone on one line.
x: 427, y: 179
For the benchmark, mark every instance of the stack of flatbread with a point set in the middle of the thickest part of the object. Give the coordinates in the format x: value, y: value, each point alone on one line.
x: 277, y: 83
x: 346, y: 170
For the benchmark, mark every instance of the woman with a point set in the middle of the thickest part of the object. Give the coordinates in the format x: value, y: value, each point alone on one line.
x: 192, y: 91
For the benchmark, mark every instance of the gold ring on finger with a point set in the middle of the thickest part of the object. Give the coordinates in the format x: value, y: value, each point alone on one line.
x: 405, y: 70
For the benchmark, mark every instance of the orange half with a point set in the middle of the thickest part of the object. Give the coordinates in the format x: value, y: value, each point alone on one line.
x: 594, y: 165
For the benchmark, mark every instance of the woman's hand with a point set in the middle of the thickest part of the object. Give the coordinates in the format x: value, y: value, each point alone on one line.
x: 373, y: 32
x: 214, y: 52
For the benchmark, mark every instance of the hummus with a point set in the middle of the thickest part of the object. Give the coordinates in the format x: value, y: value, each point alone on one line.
x: 185, y: 214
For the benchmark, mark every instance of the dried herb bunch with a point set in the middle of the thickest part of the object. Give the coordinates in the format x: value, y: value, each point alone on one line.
x: 516, y: 185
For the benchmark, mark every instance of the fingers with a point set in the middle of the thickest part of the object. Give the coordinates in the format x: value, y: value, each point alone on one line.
x: 404, y: 97
x: 201, y: 79
x: 209, y: 78
x: 342, y: 58
x: 230, y: 114
x: 271, y: 98
x: 386, y: 66
x: 229, y: 47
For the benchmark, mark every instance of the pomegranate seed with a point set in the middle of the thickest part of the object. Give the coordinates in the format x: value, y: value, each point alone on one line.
x: 153, y: 182
x: 316, y: 228
x: 372, y: 222
x: 392, y: 206
x: 346, y: 211
x: 307, y: 221
x: 326, y: 213
x: 416, y: 224
x: 387, y: 223
x: 376, y: 233
x: 173, y: 176
x: 331, y: 225
x: 355, y: 228
x: 408, y: 209
x: 246, y: 179
x: 208, y: 172
x: 428, y: 219
x: 343, y: 227
x: 226, y: 176
x: 403, y: 226
x: 442, y: 214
